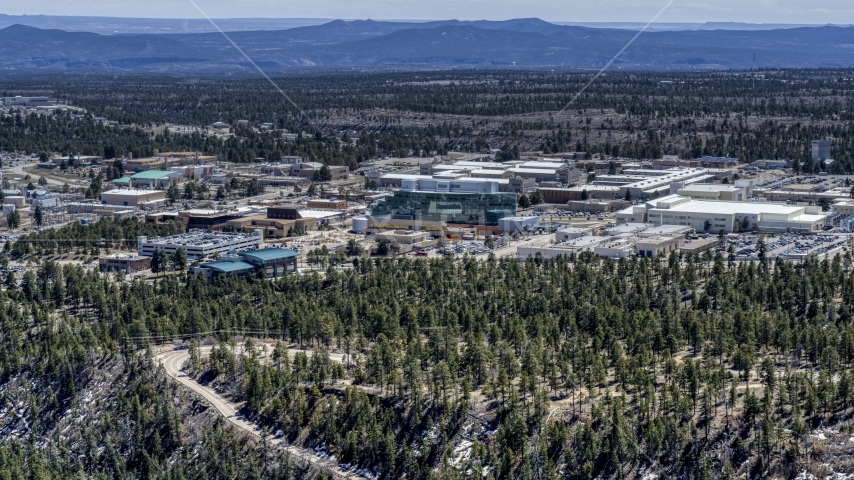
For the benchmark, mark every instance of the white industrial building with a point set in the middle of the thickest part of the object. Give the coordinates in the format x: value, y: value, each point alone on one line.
x: 200, y: 244
x: 714, y: 191
x: 467, y: 185
x: 564, y: 234
x: 518, y: 224
x: 566, y: 249
x: 19, y: 101
x: 724, y: 215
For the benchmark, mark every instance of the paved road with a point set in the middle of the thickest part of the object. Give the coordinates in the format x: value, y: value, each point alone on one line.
x: 18, y: 171
x: 172, y: 361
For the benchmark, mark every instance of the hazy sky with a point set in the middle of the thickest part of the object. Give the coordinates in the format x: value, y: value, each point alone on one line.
x: 753, y: 11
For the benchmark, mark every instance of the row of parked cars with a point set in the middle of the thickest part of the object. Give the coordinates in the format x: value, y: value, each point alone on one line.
x: 559, y: 213
x: 798, y: 245
x: 815, y: 244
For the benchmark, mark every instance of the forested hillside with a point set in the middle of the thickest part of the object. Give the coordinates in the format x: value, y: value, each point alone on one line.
x: 350, y: 118
x: 694, y: 366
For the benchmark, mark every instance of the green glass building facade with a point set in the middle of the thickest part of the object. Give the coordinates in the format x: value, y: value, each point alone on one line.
x: 450, y: 208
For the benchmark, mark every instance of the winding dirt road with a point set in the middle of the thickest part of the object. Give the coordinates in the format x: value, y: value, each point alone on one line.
x: 172, y: 360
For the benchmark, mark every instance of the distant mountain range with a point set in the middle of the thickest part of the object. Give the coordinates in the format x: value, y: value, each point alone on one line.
x: 123, y: 25
x: 518, y: 43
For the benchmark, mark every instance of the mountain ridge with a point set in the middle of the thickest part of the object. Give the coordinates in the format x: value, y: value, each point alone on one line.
x: 526, y: 43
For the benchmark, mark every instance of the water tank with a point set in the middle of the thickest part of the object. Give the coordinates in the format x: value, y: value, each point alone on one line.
x: 360, y: 224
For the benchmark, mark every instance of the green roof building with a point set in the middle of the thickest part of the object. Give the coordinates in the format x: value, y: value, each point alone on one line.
x: 122, y: 182
x: 240, y: 269
x: 154, y: 178
x: 273, y: 262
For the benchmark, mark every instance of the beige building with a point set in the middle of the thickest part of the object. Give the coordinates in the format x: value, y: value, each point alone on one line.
x: 673, y: 161
x: 327, y: 204
x: 162, y: 161
x: 845, y: 207
x: 16, y: 200
x: 273, y: 227
x: 650, y: 247
x: 714, y: 191
x: 134, y: 198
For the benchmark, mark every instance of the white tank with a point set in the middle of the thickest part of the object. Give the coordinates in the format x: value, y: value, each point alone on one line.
x: 360, y: 224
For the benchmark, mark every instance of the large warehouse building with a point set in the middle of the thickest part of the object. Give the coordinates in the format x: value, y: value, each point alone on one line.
x: 134, y: 198
x: 713, y: 216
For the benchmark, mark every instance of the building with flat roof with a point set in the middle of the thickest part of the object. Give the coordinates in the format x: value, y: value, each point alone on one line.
x: 126, y: 263
x: 843, y: 206
x: 591, y: 192
x: 673, y: 161
x: 224, y: 267
x: 653, y: 246
x: 308, y: 169
x: 667, y: 231
x: 700, y: 245
x: 518, y: 224
x: 403, y: 237
x: 207, y: 218
x: 122, y: 182
x: 564, y: 234
x: 491, y: 173
x: 134, y: 198
x: 538, y: 174
x: 713, y: 216
x: 714, y: 191
x: 517, y: 185
x: 718, y: 162
x: 154, y: 178
x: 272, y: 262
x: 431, y: 204
x: 19, y: 101
x: 273, y: 227
x: 200, y: 244
x: 615, y: 247
x: 302, y: 220
x: 654, y: 186
x: 566, y: 249
x: 393, y: 180
x: 327, y: 204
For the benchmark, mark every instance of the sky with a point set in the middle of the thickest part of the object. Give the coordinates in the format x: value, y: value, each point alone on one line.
x: 687, y: 11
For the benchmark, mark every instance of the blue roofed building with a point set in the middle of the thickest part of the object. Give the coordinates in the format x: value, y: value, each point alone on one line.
x: 215, y: 269
x: 272, y: 262
x: 275, y: 262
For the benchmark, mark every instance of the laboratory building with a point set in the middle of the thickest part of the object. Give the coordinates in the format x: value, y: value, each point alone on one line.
x: 713, y: 216
x: 434, y: 204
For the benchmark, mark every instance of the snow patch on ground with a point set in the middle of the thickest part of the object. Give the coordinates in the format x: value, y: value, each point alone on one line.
x: 462, y: 452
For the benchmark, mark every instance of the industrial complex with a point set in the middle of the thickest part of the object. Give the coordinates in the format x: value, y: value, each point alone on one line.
x: 604, y: 205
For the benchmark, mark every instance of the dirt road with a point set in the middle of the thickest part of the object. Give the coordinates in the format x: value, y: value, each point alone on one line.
x: 173, y: 359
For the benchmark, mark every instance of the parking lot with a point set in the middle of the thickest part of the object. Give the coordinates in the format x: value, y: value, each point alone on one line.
x: 790, y: 246
x: 472, y: 247
x: 819, y: 183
